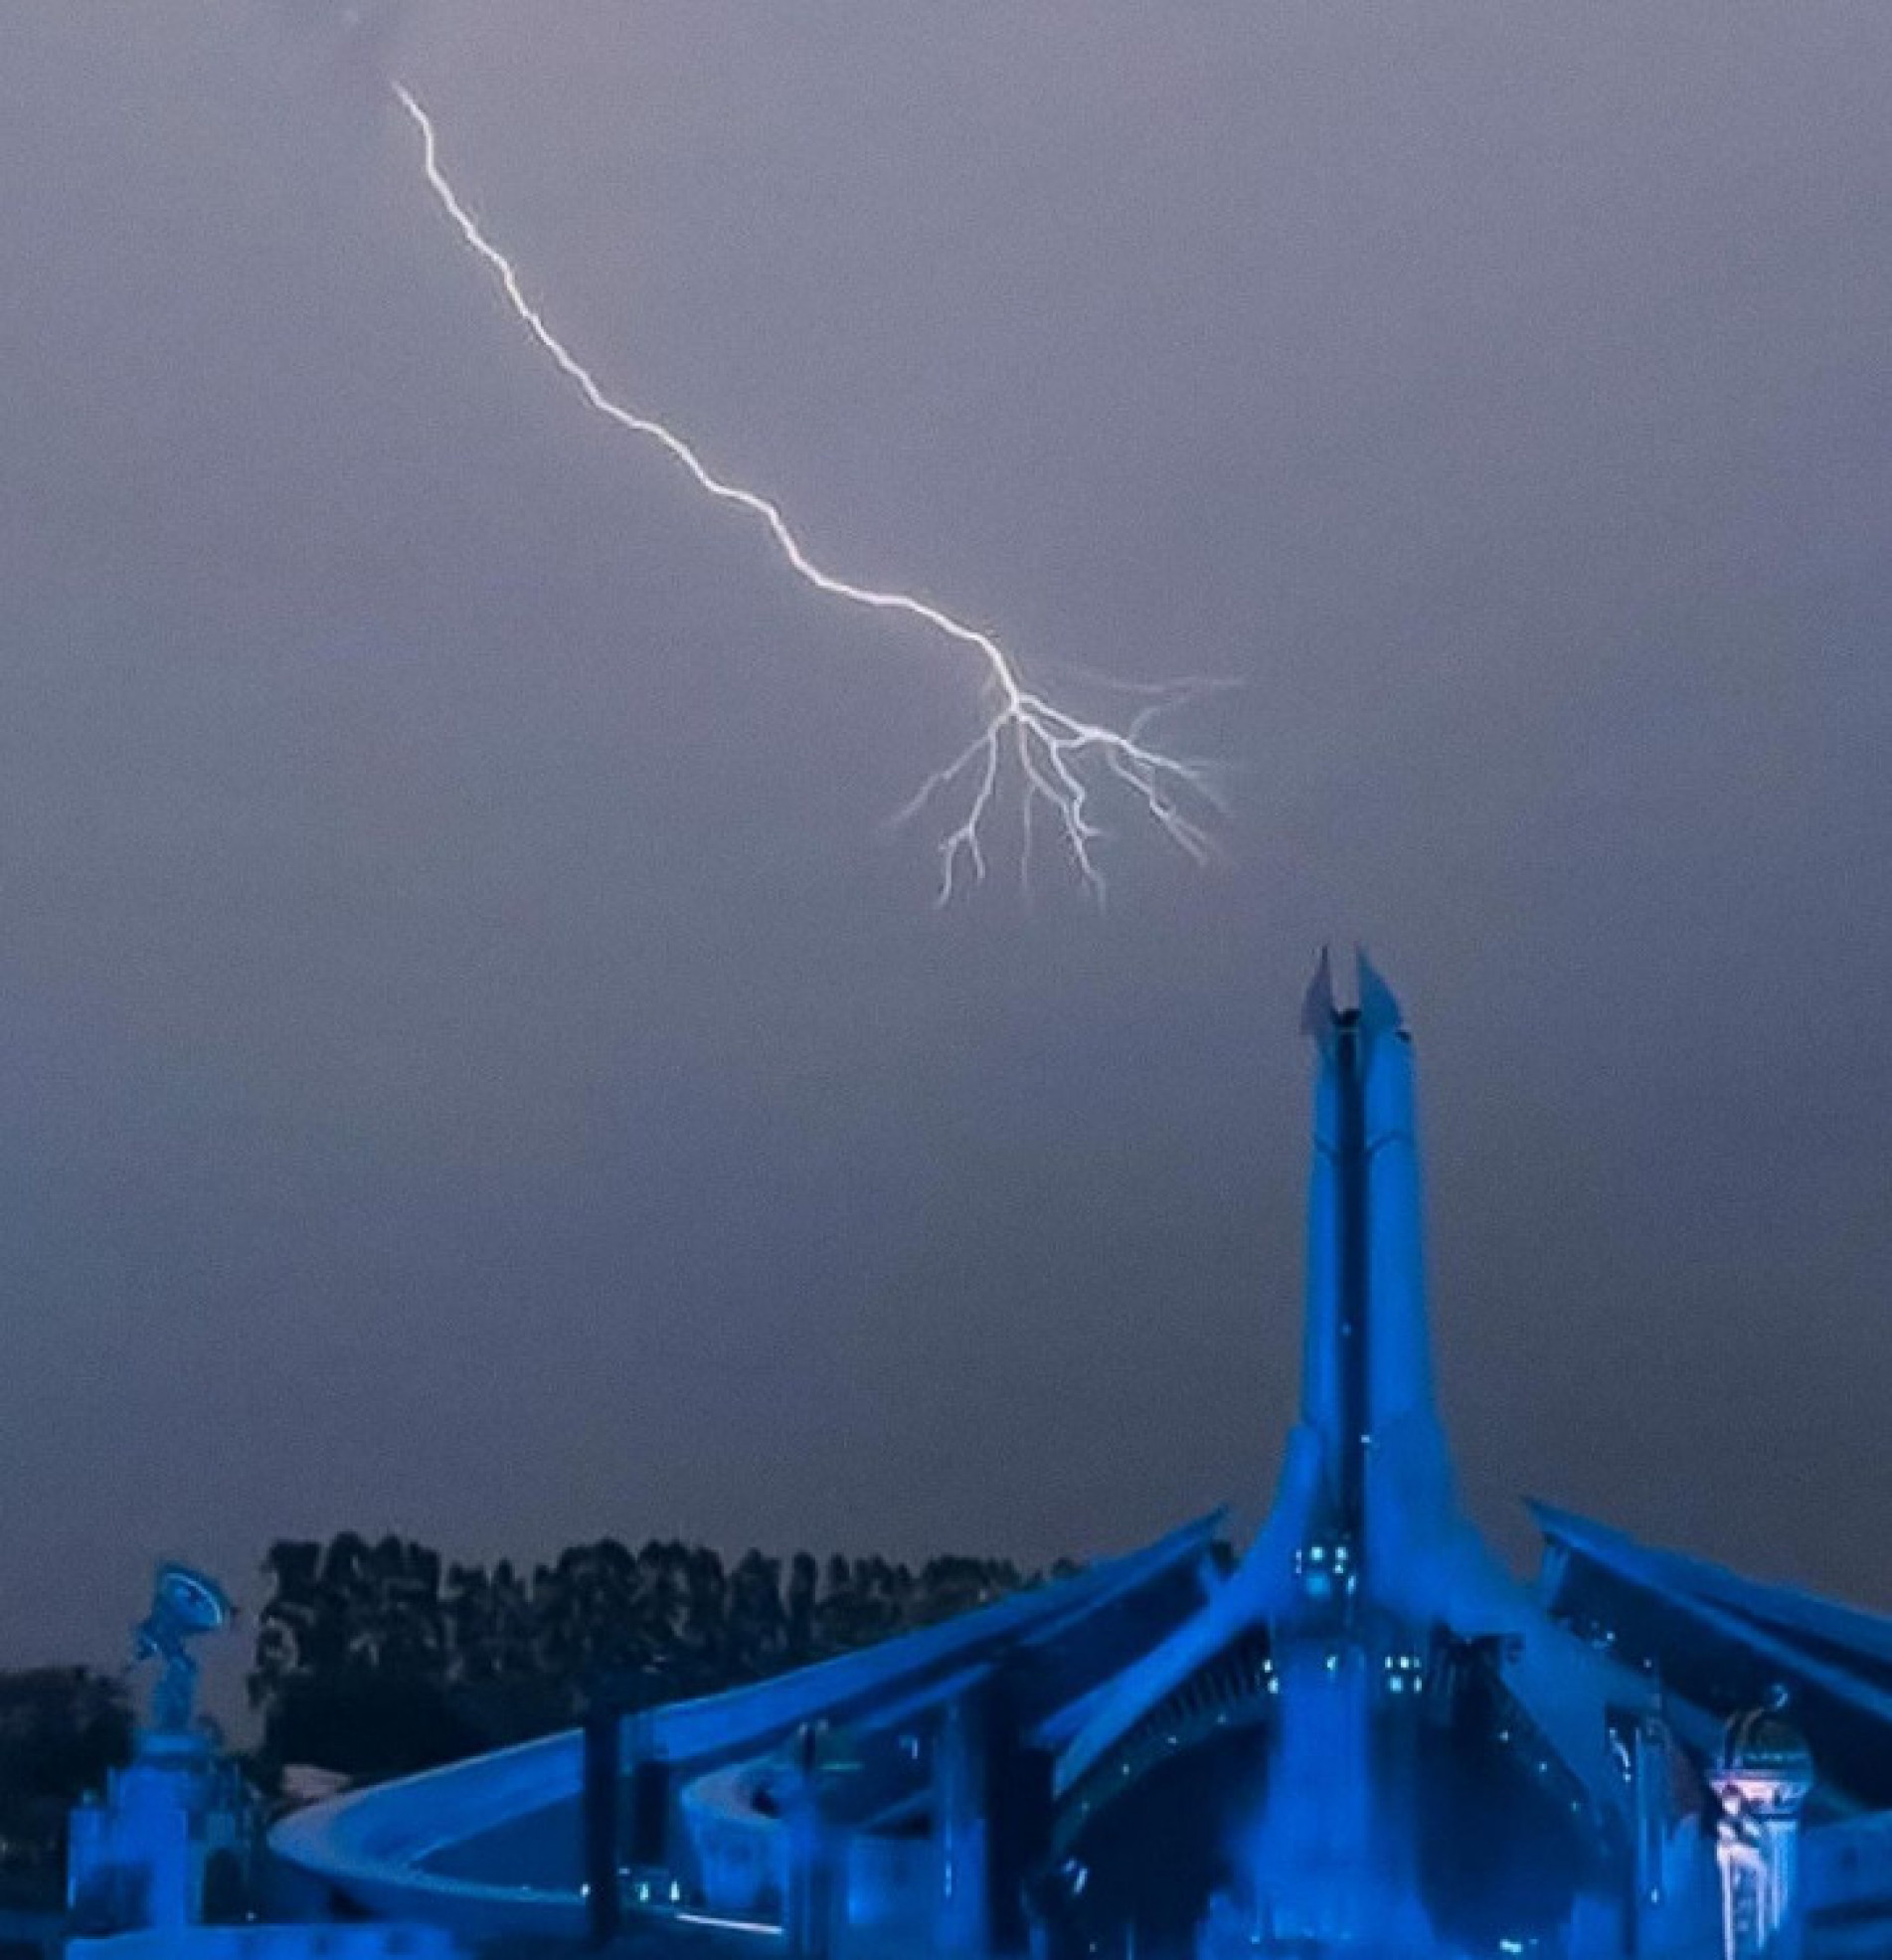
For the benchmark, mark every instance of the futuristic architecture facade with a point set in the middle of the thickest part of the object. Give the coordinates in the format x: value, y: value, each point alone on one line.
x: 1364, y: 1737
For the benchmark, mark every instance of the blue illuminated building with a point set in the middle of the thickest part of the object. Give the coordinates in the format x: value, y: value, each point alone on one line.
x: 1365, y: 1737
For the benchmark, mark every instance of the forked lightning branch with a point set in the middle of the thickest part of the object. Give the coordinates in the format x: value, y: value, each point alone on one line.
x: 1059, y: 768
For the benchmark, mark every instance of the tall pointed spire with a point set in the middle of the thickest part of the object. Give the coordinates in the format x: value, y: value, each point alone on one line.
x: 1366, y: 1370
x: 1366, y: 1569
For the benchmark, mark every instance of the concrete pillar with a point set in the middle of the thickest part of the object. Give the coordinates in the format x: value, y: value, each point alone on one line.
x: 649, y: 1826
x: 812, y: 1887
x: 603, y: 1907
x: 961, y: 1921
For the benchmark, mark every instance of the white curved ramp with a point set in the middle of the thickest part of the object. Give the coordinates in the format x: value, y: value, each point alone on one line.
x: 413, y: 1849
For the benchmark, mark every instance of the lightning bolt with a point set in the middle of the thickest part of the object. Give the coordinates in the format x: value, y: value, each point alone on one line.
x: 1058, y: 760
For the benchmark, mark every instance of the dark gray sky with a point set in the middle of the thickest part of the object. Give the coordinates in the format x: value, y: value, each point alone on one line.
x: 471, y: 1062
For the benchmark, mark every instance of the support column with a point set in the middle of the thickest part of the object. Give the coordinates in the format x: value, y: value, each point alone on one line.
x: 603, y: 1908
x: 961, y: 1919
x: 649, y: 1826
x: 813, y: 1883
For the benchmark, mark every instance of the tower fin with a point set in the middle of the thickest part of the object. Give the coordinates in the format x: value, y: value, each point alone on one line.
x: 1379, y: 1006
x: 1317, y: 1006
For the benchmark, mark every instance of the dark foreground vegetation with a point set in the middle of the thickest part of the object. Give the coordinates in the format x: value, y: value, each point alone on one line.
x: 61, y: 1730
x: 375, y: 1659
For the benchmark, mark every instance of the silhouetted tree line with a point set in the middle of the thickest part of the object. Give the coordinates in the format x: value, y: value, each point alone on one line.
x: 61, y: 1730
x: 375, y: 1658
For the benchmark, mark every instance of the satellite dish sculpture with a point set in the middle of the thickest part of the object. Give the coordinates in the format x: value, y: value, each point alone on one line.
x: 185, y: 1605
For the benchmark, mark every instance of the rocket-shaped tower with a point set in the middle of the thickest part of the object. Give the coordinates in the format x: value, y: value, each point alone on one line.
x: 1367, y: 1484
x: 1369, y: 1645
x: 1366, y: 1402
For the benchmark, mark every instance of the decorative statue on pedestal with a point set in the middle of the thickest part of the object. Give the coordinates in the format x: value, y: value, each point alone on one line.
x: 168, y: 1863
x: 173, y: 1841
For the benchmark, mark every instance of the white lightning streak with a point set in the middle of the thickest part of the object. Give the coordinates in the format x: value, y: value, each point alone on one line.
x: 1059, y: 760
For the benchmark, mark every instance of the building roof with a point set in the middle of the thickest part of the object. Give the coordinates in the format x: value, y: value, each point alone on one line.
x: 1720, y: 1642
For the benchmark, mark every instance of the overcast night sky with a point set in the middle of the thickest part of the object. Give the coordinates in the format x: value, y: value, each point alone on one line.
x: 473, y: 1060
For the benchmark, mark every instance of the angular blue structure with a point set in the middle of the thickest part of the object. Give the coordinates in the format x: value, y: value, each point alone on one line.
x: 1369, y: 1651
x: 1365, y: 1738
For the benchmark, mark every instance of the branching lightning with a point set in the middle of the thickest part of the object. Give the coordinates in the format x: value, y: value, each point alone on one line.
x: 1058, y: 760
